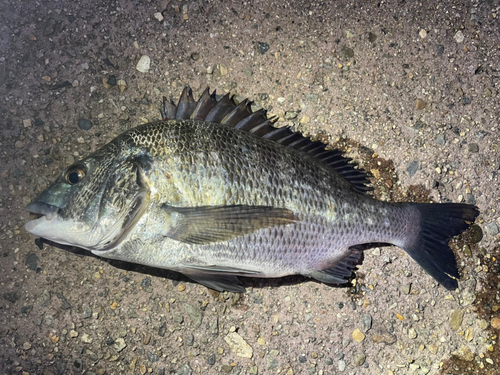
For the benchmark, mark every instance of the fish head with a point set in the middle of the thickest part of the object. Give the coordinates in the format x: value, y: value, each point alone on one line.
x: 93, y: 204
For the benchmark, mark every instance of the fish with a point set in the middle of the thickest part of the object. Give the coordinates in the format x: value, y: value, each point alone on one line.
x: 215, y: 191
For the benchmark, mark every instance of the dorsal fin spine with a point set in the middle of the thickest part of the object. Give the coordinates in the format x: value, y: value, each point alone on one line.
x: 241, y: 117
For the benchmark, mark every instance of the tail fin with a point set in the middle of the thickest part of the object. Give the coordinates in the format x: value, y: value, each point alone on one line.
x: 439, y: 223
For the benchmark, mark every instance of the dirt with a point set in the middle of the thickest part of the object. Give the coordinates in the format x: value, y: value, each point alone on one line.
x: 409, y: 90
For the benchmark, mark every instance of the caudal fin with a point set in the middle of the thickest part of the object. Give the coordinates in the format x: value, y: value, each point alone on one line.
x: 439, y: 223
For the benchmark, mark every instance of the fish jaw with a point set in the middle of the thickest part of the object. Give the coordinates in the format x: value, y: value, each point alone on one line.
x: 52, y: 227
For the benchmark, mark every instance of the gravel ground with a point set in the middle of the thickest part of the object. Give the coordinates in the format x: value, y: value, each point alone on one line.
x: 410, y: 90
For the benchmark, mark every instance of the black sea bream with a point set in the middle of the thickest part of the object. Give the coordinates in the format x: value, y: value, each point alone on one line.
x: 214, y: 191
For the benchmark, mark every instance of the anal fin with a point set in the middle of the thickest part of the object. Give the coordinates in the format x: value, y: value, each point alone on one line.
x: 339, y: 273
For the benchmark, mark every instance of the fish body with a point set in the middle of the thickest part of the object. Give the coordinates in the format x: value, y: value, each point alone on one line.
x: 214, y: 191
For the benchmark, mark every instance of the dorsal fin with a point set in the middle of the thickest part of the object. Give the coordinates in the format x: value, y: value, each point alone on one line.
x: 240, y: 116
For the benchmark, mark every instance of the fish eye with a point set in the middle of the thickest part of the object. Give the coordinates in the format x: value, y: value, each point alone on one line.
x: 75, y: 174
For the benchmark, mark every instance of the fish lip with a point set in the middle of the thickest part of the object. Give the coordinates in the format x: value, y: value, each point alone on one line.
x: 44, y: 209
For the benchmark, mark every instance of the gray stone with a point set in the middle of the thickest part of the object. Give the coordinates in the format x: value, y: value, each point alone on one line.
x: 406, y: 288
x: 214, y: 328
x: 470, y: 199
x: 412, y: 168
x: 366, y: 322
x: 152, y: 357
x: 64, y: 302
x: 78, y: 365
x: 262, y: 47
x: 473, y: 147
x: 271, y: 362
x: 190, y: 340
x: 440, y: 139
x: 85, y: 124
x: 162, y: 329
x: 347, y: 52
x: 491, y: 229
x: 31, y: 261
x: 12, y: 297
x: 184, y: 370
x: 195, y: 313
x: 211, y: 360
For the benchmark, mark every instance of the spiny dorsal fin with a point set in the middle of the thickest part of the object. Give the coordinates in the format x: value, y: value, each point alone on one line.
x: 240, y: 116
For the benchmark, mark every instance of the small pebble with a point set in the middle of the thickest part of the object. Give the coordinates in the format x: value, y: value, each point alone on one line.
x: 119, y: 344
x: 222, y: 69
x: 366, y: 322
x: 491, y: 229
x: 359, y: 359
x: 341, y: 365
x: 459, y: 37
x: 412, y: 333
x: 122, y: 85
x: 86, y: 339
x: 406, y: 288
x: 440, y: 139
x: 456, y: 317
x: 143, y: 64
x: 262, y: 47
x: 238, y: 345
x: 158, y: 16
x: 421, y: 104
x: 85, y: 124
x: 211, y: 360
x: 412, y: 168
x: 475, y: 233
x: 78, y: 365
x: 358, y: 336
x: 473, y: 147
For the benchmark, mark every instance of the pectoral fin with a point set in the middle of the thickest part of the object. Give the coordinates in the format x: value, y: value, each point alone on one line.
x: 208, y: 224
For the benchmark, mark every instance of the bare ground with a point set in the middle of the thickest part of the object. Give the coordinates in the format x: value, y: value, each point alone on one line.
x: 409, y: 90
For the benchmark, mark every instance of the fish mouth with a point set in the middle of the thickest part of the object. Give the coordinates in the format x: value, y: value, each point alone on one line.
x: 43, y: 209
x: 44, y: 212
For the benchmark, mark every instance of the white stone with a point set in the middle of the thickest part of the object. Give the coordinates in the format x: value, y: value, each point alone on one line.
x: 143, y: 64
x: 459, y: 37
x: 158, y: 16
x: 238, y: 345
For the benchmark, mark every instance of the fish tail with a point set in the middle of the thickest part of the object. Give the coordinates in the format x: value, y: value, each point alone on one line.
x: 429, y: 246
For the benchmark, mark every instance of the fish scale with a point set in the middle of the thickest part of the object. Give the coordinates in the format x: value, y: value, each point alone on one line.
x: 215, y: 191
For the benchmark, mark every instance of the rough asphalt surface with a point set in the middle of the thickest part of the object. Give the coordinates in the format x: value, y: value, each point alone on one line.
x: 410, y: 90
